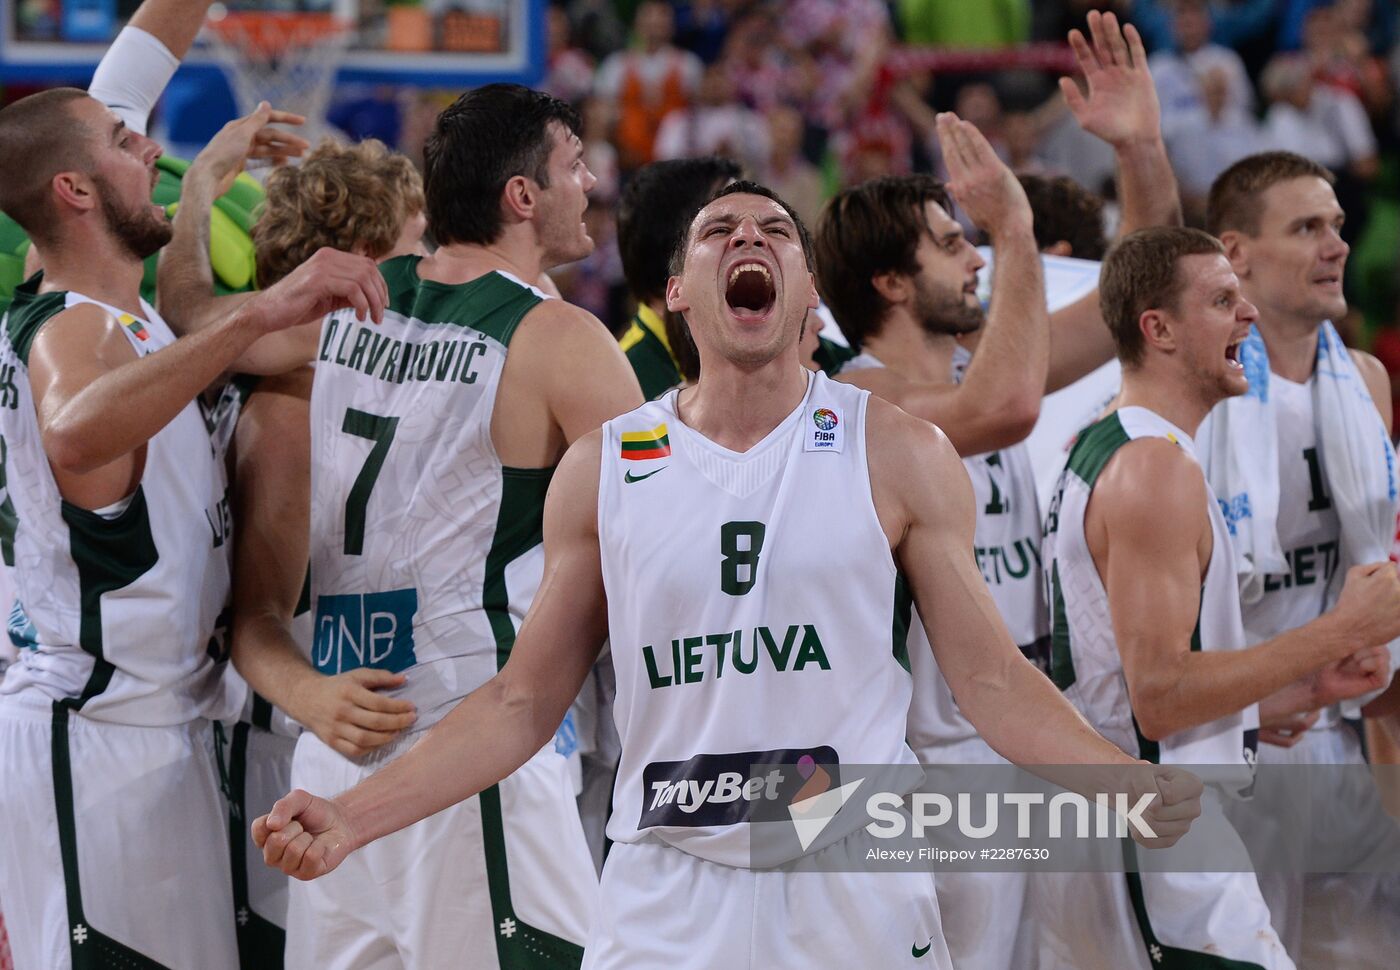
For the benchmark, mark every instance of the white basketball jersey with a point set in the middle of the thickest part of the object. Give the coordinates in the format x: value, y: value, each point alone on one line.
x: 755, y: 614
x: 1007, y: 546
x: 124, y: 611
x: 1309, y: 531
x: 425, y: 549
x: 1085, y: 662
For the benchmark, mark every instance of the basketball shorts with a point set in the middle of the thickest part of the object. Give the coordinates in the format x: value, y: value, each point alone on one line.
x: 115, y: 851
x: 257, y: 770
x: 664, y: 909
x: 503, y: 879
x: 1157, y: 920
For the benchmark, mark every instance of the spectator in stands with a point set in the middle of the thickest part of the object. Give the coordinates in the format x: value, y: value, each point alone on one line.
x: 1206, y: 140
x: 569, y: 74
x: 789, y: 173
x: 647, y: 82
x: 1178, y: 72
x: 1340, y: 56
x: 1317, y: 121
x: 716, y: 124
x: 702, y: 26
x: 1020, y: 142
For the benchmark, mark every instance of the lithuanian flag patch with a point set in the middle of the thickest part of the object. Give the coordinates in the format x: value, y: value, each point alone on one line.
x: 137, y: 328
x: 643, y: 445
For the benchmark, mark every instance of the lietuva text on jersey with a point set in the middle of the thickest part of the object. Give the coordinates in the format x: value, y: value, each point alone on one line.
x: 693, y: 659
x: 361, y: 348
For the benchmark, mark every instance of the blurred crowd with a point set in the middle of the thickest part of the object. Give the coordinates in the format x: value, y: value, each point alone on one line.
x: 813, y: 95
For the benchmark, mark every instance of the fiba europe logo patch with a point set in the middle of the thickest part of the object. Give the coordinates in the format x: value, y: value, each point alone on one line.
x: 825, y: 419
x: 827, y: 434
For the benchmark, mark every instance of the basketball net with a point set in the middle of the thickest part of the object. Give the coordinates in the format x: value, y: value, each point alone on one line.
x: 286, y: 59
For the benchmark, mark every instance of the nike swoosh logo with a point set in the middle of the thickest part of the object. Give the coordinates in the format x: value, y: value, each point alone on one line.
x: 920, y: 951
x: 629, y: 478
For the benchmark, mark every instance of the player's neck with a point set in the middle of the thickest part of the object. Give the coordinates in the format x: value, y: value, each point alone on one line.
x: 907, y: 349
x: 1292, y: 345
x: 101, y: 269
x: 737, y: 407
x: 1166, y: 396
x: 463, y: 262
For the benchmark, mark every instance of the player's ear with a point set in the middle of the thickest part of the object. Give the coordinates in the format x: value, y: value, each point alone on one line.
x: 75, y: 190
x: 813, y: 297
x: 675, y: 298
x: 893, y: 286
x: 1059, y: 248
x: 518, y: 198
x: 1158, y: 330
x: 1236, y: 246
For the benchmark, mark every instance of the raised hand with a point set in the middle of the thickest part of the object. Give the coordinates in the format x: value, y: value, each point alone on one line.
x: 1121, y: 106
x: 248, y: 137
x: 303, y: 835
x: 979, y: 181
x: 330, y: 280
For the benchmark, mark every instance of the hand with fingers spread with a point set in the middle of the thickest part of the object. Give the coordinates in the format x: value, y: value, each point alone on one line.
x: 330, y: 280
x: 350, y: 713
x: 1121, y: 106
x: 979, y: 181
x: 243, y: 138
x: 303, y: 835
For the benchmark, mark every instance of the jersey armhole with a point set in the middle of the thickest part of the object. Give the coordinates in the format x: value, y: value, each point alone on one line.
x: 863, y: 460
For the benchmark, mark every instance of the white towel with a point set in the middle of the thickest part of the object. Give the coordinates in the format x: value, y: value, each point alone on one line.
x: 1239, y: 444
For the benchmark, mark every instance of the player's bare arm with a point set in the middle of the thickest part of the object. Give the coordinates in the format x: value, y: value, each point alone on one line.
x: 98, y: 403
x: 185, y: 279
x: 925, y: 505
x: 272, y: 499
x: 1121, y: 108
x: 497, y: 727
x: 998, y: 401
x: 565, y: 375
x: 1148, y: 532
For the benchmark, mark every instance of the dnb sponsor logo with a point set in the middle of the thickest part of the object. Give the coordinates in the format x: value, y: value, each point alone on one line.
x: 365, y: 630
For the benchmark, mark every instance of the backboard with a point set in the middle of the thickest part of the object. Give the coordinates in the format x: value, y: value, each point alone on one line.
x: 420, y: 43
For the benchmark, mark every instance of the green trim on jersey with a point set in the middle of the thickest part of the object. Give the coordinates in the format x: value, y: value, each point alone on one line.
x: 1159, y: 954
x: 491, y: 304
x: 9, y: 518
x: 1061, y: 657
x: 519, y: 528
x: 29, y: 311
x: 903, y: 616
x: 831, y: 356
x: 89, y: 949
x: 1095, y: 445
x: 653, y: 364
x: 260, y: 941
x: 109, y: 554
x: 519, y: 946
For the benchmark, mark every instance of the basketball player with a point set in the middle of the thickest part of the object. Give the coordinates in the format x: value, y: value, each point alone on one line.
x: 121, y: 544
x: 424, y: 539
x: 375, y: 208
x: 1277, y: 215
x: 1147, y: 636
x: 901, y: 279
x: 752, y: 455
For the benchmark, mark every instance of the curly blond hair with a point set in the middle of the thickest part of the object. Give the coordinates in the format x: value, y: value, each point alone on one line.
x: 339, y: 196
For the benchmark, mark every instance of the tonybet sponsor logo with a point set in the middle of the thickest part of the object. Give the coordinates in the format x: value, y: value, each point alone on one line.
x: 729, y: 789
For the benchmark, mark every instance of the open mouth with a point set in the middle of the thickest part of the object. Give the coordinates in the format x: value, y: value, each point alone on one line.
x: 749, y: 290
x: 1232, y: 353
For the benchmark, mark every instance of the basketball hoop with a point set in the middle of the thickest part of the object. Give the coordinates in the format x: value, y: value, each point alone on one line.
x: 288, y: 59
